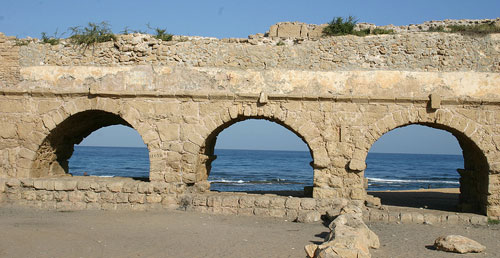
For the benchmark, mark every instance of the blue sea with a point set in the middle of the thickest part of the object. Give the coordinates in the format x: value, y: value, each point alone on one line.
x: 257, y: 170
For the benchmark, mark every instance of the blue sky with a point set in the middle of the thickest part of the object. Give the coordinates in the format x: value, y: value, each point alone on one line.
x: 222, y: 19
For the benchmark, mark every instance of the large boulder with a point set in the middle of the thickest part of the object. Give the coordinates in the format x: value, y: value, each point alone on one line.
x: 458, y: 244
x: 349, y: 237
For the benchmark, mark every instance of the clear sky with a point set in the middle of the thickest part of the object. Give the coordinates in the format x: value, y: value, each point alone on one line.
x: 233, y: 18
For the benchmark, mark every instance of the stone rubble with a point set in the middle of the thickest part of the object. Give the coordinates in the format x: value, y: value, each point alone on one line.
x: 458, y: 244
x: 349, y: 237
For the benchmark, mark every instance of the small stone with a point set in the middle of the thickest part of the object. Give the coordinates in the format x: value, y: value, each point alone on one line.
x: 310, y: 250
x: 458, y: 244
x: 309, y: 217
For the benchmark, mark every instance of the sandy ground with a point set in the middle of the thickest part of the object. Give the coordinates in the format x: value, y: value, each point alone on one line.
x: 34, y: 233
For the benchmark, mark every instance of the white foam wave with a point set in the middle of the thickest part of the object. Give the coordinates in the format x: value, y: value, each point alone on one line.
x: 227, y: 181
x: 392, y: 181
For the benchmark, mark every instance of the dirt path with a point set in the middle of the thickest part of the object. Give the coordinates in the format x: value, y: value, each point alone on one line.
x: 32, y: 233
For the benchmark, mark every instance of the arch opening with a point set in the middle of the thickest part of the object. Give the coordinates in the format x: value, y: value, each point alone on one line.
x: 58, y: 149
x: 257, y: 155
x: 443, y: 168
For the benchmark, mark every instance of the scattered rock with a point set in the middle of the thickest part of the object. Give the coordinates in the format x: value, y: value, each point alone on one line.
x: 458, y: 244
x: 309, y: 217
x: 349, y: 237
x: 372, y: 201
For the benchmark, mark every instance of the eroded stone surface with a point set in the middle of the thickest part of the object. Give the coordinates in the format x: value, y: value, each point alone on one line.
x: 458, y: 244
x: 339, y: 94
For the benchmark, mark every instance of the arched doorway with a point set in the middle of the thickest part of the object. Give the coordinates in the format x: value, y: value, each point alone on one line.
x: 53, y: 155
x: 442, y: 168
x: 258, y: 156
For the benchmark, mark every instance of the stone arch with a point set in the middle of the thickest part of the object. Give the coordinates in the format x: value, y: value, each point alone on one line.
x: 56, y: 148
x: 474, y: 177
x: 305, y: 130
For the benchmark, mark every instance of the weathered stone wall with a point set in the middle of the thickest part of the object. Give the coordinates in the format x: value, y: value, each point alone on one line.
x: 338, y: 94
x: 312, y: 31
x: 9, y: 60
x: 338, y: 131
x: 403, y: 52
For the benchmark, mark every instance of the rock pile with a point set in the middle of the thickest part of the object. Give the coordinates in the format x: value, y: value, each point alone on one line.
x: 349, y: 237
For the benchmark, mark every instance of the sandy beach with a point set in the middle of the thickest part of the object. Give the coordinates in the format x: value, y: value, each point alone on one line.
x: 170, y: 233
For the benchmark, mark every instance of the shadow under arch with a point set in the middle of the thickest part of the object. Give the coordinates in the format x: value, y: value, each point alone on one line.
x: 207, y: 150
x: 474, y: 175
x: 52, y: 157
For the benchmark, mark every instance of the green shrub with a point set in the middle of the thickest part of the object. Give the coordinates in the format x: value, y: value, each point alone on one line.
x: 161, y: 33
x: 345, y: 26
x: 280, y: 43
x: 92, y: 34
x: 378, y: 31
x: 340, y: 26
x: 21, y: 42
x: 493, y: 221
x: 439, y: 28
x: 53, y: 40
x: 127, y: 31
x: 475, y: 29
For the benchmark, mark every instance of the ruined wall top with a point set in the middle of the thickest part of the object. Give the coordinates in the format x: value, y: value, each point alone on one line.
x: 314, y: 31
x: 352, y: 65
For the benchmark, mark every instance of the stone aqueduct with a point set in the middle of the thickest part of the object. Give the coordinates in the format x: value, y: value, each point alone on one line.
x: 338, y: 94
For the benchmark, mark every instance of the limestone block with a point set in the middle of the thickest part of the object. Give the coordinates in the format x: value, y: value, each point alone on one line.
x: 277, y: 213
x: 417, y: 218
x: 160, y: 187
x: 479, y: 220
x: 83, y: 185
x: 169, y: 201
x: 308, y: 204
x: 431, y: 219
x: 406, y: 218
x: 98, y: 187
x: 199, y: 200
x: 263, y: 212
x: 91, y: 197
x: 60, y: 196
x: 13, y: 183
x: 106, y: 196
x: 144, y: 187
x: 129, y: 187
x: 122, y: 197
x: 214, y: 201
x: 357, y: 165
x: 292, y: 203
x: 136, y: 198
x: 115, y: 187
x: 452, y: 219
x: 28, y: 195
x: 308, y: 216
x: 65, y: 185
x: 245, y: 211
x: 273, y: 31
x: 155, y: 198
x: 9, y: 130
x: 247, y: 201
x: 277, y: 203
x: 458, y: 244
x: 230, y: 201
x: 289, y: 30
x: 76, y: 196
x: 168, y: 132
x: 262, y: 202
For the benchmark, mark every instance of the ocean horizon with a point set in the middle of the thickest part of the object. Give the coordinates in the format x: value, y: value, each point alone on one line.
x: 277, y: 170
